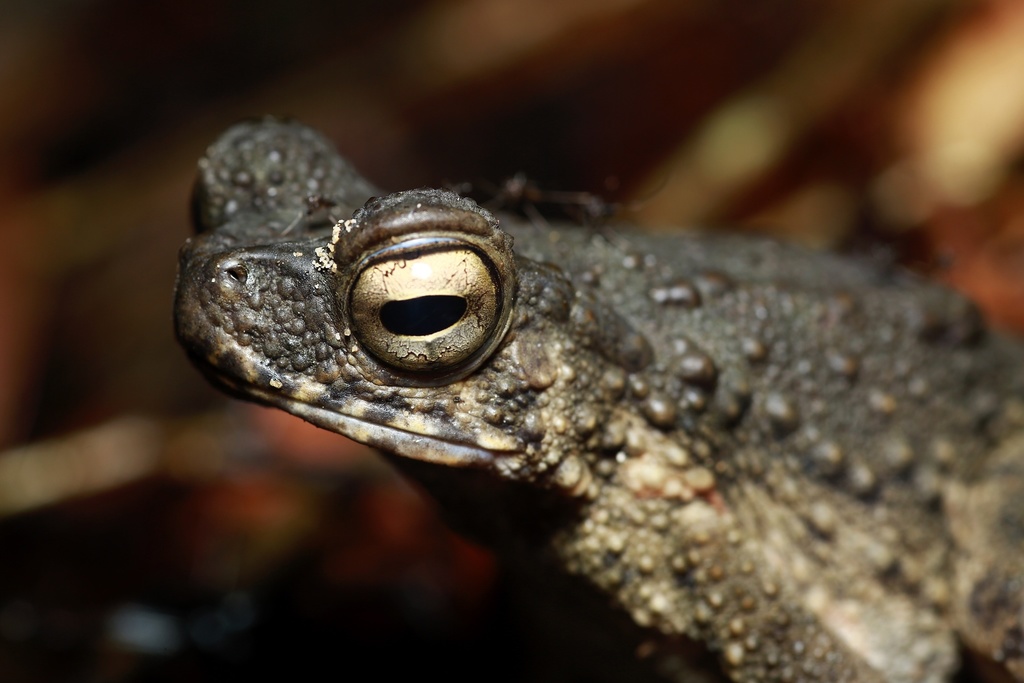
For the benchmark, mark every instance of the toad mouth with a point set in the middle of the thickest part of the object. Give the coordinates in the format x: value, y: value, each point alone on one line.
x: 398, y: 434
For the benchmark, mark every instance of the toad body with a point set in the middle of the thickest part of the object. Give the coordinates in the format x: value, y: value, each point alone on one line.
x: 706, y: 457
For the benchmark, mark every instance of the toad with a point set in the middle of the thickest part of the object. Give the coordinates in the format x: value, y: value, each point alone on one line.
x: 705, y: 457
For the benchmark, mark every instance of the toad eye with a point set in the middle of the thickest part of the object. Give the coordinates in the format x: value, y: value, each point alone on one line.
x: 429, y: 305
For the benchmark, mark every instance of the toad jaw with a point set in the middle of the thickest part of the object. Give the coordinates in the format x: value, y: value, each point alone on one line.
x: 410, y: 435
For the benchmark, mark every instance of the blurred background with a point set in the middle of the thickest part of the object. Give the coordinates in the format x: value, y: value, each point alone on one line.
x: 151, y: 530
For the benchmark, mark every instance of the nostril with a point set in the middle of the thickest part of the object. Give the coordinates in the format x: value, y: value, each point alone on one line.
x: 236, y: 272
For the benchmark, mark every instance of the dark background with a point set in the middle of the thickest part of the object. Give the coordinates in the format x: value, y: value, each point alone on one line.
x: 203, y: 540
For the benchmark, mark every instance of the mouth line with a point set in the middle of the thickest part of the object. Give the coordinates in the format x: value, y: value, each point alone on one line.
x: 388, y: 438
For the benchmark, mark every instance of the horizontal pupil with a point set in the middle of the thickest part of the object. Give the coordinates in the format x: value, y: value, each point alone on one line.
x: 423, y: 315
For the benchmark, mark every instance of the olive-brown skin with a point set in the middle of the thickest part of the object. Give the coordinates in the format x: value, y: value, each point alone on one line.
x: 762, y: 463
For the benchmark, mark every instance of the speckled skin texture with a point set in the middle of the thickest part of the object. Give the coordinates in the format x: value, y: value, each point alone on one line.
x: 758, y: 462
